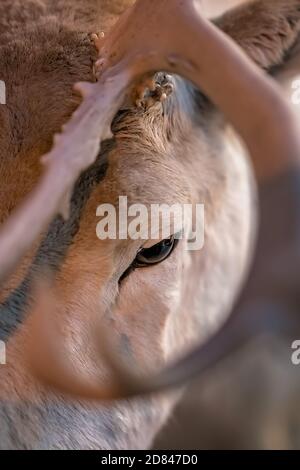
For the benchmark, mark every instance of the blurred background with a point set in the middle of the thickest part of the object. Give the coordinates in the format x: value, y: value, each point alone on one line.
x: 216, y: 7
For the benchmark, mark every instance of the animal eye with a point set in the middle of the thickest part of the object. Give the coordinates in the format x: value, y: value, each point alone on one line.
x: 151, y: 256
x: 156, y: 254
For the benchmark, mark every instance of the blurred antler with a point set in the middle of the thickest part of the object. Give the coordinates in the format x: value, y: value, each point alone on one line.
x: 161, y: 35
x: 74, y: 150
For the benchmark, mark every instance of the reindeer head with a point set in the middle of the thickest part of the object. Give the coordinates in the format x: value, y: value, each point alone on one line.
x: 171, y: 146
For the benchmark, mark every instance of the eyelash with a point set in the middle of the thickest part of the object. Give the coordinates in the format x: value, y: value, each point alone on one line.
x: 163, y: 245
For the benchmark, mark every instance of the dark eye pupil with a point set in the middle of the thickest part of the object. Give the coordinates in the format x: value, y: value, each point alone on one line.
x: 151, y: 256
x: 156, y: 254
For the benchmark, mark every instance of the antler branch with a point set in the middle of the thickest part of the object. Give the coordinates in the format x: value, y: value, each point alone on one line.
x: 74, y: 150
x: 171, y: 35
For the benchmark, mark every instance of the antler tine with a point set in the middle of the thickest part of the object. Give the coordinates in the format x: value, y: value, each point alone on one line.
x: 52, y: 365
x: 148, y: 45
x: 74, y: 150
x: 161, y: 35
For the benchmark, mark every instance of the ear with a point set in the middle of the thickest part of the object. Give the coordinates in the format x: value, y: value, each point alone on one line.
x: 267, y: 30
